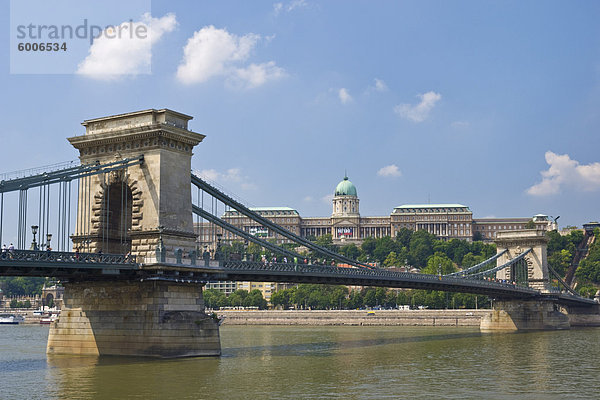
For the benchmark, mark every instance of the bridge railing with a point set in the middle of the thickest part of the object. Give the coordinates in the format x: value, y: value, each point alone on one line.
x: 361, y: 272
x: 66, y: 257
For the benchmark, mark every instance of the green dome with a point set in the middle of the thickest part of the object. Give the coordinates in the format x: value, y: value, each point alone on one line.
x: 345, y: 188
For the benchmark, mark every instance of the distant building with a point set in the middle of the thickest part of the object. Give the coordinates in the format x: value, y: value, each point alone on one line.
x: 346, y: 225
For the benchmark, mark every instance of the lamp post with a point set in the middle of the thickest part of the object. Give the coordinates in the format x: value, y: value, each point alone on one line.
x: 48, y: 239
x: 34, y: 245
x: 218, y: 252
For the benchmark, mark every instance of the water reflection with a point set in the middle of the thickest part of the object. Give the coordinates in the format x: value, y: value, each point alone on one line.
x: 321, y: 362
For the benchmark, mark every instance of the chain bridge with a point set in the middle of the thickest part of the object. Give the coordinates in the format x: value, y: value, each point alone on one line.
x: 125, y: 248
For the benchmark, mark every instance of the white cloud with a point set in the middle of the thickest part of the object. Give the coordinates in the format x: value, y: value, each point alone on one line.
x: 213, y: 52
x: 231, y: 175
x: 563, y: 171
x: 278, y: 8
x: 308, y: 199
x: 114, y: 54
x: 344, y: 96
x: 418, y: 112
x: 256, y: 74
x: 328, y: 198
x: 390, y: 170
x: 380, y: 85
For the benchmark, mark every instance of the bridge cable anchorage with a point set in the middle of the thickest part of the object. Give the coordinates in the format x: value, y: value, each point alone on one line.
x: 500, y: 267
x: 476, y: 267
x: 562, y: 282
x: 217, y: 194
x: 233, y: 229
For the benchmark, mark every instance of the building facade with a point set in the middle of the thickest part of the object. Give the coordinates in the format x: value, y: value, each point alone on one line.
x: 346, y: 225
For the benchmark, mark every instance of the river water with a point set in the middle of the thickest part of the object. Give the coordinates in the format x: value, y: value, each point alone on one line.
x: 291, y: 362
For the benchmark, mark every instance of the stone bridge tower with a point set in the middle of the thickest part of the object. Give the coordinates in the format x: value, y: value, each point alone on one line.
x: 536, y: 263
x: 522, y: 314
x: 122, y: 211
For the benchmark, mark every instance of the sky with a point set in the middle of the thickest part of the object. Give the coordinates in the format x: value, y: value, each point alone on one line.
x: 491, y: 104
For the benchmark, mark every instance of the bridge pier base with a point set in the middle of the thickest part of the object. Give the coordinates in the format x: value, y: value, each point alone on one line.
x: 150, y: 318
x: 583, y: 316
x: 519, y: 315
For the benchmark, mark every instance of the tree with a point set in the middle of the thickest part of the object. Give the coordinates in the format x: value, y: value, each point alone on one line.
x: 477, y: 236
x: 530, y: 224
x: 368, y: 246
x: 325, y: 241
x: 236, y: 299
x: 356, y: 300
x: 403, y: 237
x: 338, y: 297
x: 255, y: 250
x: 392, y: 260
x: 350, y: 250
x: 421, y: 247
x: 383, y: 247
x: 369, y: 298
x: 255, y: 299
x: 215, y: 298
x: 281, y: 298
x: 560, y: 261
x: 439, y: 263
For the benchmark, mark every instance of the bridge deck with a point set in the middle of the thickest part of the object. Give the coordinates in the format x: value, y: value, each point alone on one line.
x: 75, y: 266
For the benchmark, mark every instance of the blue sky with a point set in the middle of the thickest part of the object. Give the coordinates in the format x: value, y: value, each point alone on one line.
x: 437, y: 101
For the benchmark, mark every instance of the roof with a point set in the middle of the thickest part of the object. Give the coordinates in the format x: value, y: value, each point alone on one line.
x: 345, y: 188
x: 271, y: 209
x: 266, y: 211
x: 404, y: 206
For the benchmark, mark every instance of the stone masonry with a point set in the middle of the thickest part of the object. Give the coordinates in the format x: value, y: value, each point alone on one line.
x: 150, y: 318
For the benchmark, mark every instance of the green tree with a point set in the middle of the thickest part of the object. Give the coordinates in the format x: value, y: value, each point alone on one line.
x: 392, y: 260
x: 403, y: 237
x: 530, y: 224
x: 236, y: 299
x: 282, y: 298
x: 368, y: 246
x: 383, y: 247
x: 350, y: 250
x: 255, y: 299
x: 215, y: 298
x: 421, y: 247
x: 369, y: 299
x: 338, y: 297
x: 325, y: 241
x: 437, y: 263
x: 356, y: 300
x: 560, y: 261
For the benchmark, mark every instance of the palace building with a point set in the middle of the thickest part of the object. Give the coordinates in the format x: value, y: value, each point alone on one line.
x: 346, y: 225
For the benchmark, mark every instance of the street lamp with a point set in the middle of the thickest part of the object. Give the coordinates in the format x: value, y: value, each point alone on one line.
x: 218, y: 252
x: 48, y: 239
x: 34, y: 245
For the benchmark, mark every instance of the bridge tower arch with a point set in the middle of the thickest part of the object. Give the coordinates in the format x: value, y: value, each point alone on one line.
x: 517, y: 242
x: 160, y: 186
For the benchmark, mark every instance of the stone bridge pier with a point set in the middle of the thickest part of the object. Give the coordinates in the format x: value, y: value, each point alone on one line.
x: 135, y: 210
x: 519, y: 314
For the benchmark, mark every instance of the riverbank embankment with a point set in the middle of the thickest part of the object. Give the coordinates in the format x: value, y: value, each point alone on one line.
x: 354, y: 317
